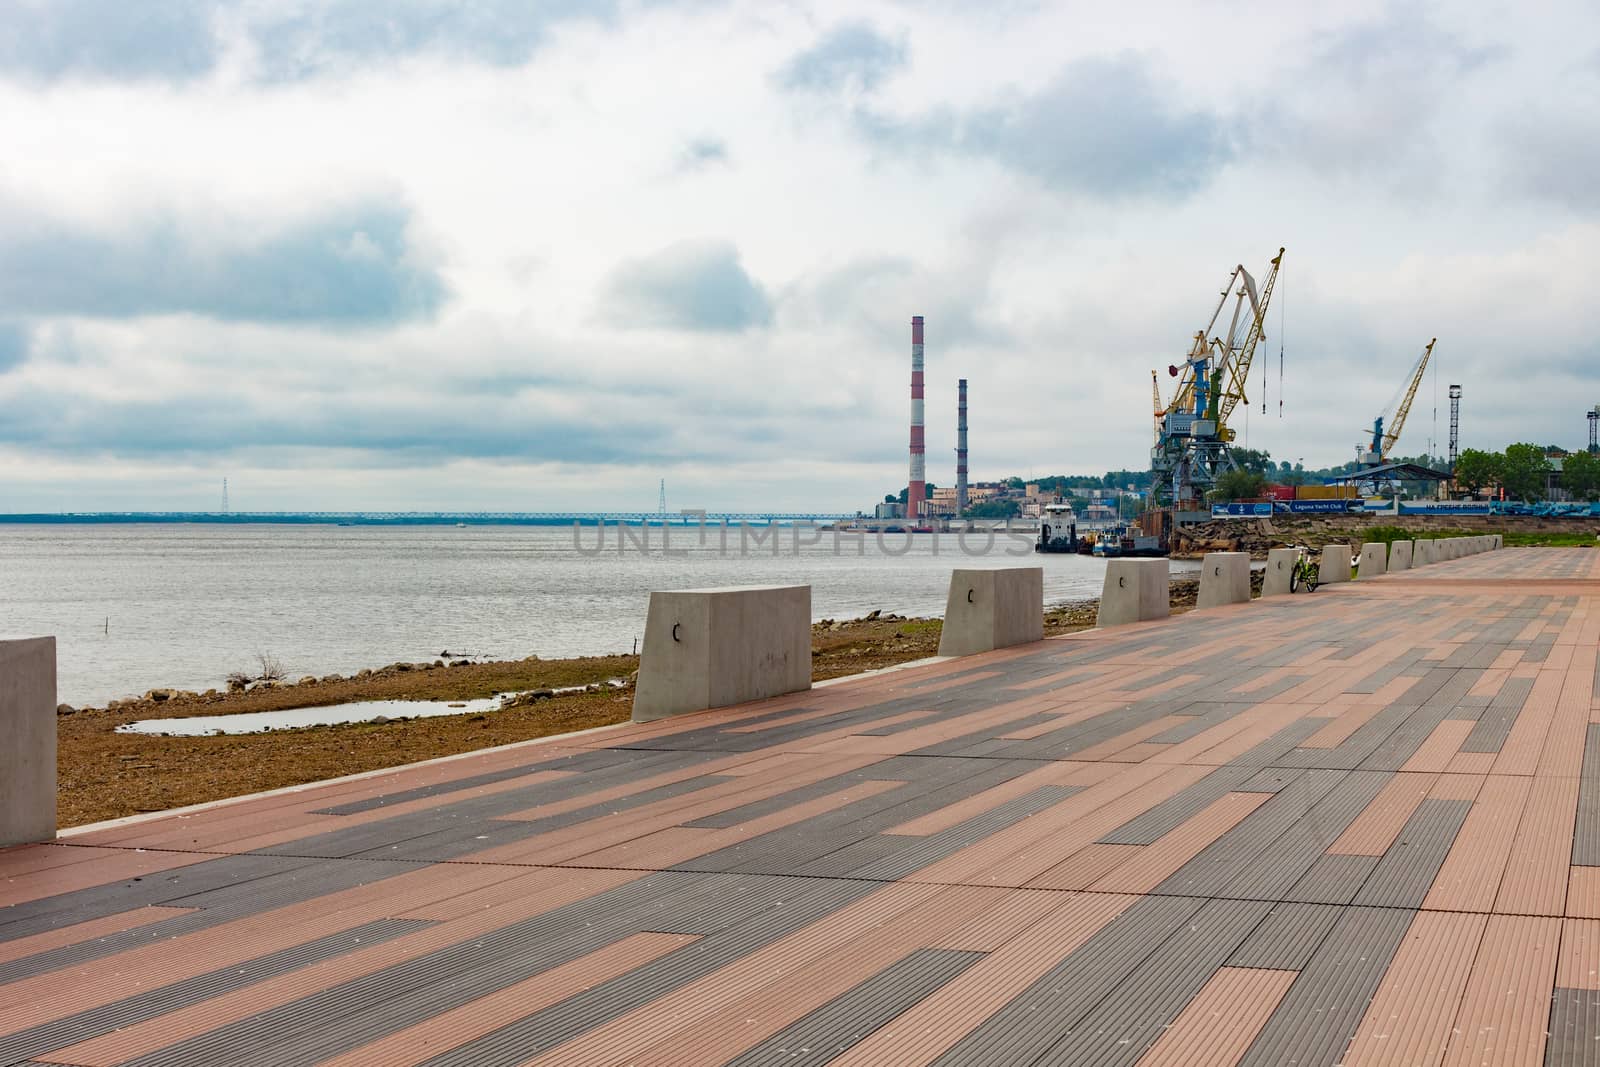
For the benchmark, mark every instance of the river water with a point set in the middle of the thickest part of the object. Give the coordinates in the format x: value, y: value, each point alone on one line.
x: 133, y: 607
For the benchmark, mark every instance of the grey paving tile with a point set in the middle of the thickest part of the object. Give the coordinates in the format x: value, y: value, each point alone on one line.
x: 1276, y: 869
x: 1132, y: 1015
x: 1333, y: 879
x: 1287, y: 937
x: 1148, y: 826
x: 1495, y: 722
x: 1314, y: 1022
x: 1402, y: 877
x: 1042, y: 1014
x: 1221, y: 861
x: 160, y: 887
x: 1574, y: 1039
x: 844, y: 1022
x: 356, y: 1012
x: 94, y: 1022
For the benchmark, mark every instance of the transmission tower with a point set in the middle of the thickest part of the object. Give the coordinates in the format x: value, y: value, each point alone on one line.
x: 224, y: 496
x: 662, y: 505
x: 1455, y: 425
x: 1594, y: 424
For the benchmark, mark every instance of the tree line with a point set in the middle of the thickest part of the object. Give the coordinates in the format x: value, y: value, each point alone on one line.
x: 1523, y: 470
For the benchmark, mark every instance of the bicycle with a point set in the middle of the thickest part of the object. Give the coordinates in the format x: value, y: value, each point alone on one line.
x: 1304, y: 573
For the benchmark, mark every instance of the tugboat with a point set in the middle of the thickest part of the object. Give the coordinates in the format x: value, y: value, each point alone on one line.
x: 1058, y: 529
x: 1108, y: 545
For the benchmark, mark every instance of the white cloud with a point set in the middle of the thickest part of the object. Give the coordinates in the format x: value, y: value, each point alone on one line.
x: 641, y: 253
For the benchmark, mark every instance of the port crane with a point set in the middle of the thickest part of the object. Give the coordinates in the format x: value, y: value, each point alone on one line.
x: 1192, y: 432
x: 1387, y: 426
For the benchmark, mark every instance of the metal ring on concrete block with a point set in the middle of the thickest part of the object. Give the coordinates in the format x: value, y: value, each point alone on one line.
x: 724, y: 646
x: 1010, y: 613
x: 1226, y: 580
x: 1147, y: 596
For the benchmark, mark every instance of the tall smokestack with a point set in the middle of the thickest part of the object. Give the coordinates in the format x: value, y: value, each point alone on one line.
x: 918, y: 489
x: 961, y: 446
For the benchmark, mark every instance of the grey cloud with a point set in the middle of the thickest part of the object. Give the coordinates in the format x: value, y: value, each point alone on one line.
x: 1366, y: 97
x: 419, y: 428
x: 1552, y: 157
x: 691, y: 285
x: 354, y: 268
x: 14, y: 344
x: 107, y: 38
x: 852, y: 55
x: 179, y: 40
x: 1103, y: 127
x: 702, y: 152
x: 951, y: 299
x: 1551, y: 153
x: 314, y: 39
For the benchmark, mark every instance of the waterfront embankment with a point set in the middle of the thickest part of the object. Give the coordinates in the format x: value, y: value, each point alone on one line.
x: 105, y: 774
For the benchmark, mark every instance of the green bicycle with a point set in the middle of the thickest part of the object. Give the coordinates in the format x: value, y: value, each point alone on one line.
x: 1303, y: 574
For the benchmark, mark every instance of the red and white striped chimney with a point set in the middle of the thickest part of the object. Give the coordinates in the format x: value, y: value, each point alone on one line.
x: 961, y: 446
x: 918, y: 489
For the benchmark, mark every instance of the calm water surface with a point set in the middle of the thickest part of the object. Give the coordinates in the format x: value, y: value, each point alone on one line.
x: 134, y: 607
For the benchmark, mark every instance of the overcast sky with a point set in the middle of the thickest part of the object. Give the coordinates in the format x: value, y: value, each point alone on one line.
x: 536, y: 256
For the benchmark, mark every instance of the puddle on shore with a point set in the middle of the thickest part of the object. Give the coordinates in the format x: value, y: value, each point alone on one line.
x: 255, y: 722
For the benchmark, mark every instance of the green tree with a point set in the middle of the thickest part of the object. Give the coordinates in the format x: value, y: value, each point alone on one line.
x: 1252, y: 459
x: 1476, y: 469
x: 1001, y: 508
x: 1580, y: 475
x: 1239, y: 485
x: 1523, y: 472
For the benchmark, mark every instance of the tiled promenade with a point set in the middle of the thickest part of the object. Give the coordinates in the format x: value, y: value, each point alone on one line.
x: 1360, y: 826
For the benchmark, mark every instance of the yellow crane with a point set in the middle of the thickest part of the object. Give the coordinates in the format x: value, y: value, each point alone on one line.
x: 1227, y: 356
x: 1387, y: 426
x: 1155, y: 397
x: 1192, y: 432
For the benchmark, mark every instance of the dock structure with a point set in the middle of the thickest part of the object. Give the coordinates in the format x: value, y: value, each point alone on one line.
x: 1360, y: 826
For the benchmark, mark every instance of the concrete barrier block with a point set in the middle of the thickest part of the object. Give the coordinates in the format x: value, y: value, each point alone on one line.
x: 708, y: 648
x: 1400, y: 553
x: 1224, y: 579
x: 1499, y: 541
x: 1374, y: 560
x: 27, y: 740
x: 1280, y: 568
x: 1135, y: 590
x: 1335, y: 565
x: 1426, y: 552
x: 989, y: 609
